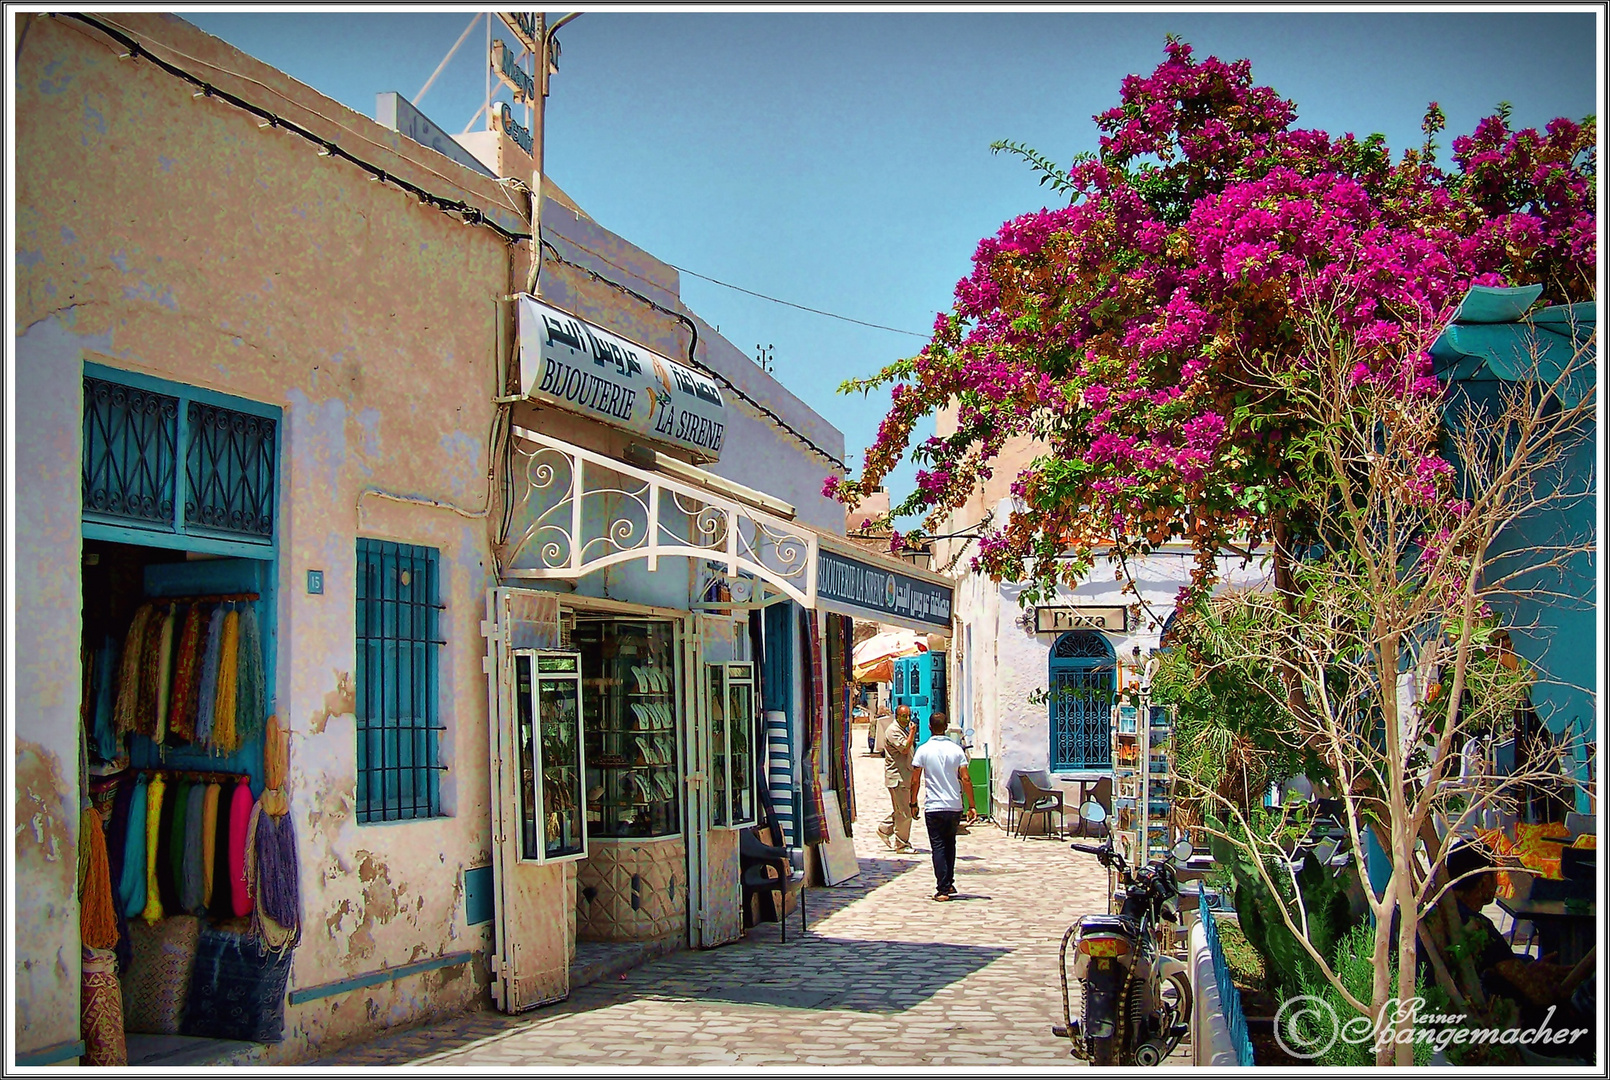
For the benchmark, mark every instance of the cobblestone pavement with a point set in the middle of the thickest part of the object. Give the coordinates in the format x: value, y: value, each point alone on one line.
x: 885, y: 976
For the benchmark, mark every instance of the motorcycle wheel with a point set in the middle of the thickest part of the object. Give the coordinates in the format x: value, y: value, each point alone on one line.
x: 1104, y: 1051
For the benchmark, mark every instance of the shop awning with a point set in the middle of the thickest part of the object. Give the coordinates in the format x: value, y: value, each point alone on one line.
x: 1492, y: 337
x: 576, y: 511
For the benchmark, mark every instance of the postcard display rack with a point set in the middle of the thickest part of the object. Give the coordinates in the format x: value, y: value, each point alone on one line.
x: 1143, y: 780
x: 548, y: 715
x: 731, y: 702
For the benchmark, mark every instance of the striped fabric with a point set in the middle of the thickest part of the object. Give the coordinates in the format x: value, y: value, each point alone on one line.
x: 780, y: 775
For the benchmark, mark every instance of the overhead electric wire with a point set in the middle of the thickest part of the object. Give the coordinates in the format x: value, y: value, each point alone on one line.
x: 790, y: 303
x: 470, y: 214
x: 137, y: 49
x: 728, y: 383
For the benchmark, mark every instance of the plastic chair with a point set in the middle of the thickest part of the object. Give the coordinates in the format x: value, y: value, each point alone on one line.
x: 1101, y: 795
x: 766, y: 868
x: 1014, y: 798
x: 1038, y: 801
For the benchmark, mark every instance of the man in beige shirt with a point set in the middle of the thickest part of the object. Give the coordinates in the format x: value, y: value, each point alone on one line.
x: 898, y: 741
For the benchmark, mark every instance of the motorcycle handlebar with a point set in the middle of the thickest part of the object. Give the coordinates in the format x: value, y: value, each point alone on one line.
x: 1086, y: 848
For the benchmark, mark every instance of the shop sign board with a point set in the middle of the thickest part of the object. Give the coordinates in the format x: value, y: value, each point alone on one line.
x: 572, y: 364
x: 503, y: 120
x: 872, y: 592
x: 523, y: 25
x: 511, y: 74
x: 1055, y: 620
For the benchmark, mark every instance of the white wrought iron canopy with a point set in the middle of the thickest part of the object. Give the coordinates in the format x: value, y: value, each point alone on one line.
x: 577, y: 511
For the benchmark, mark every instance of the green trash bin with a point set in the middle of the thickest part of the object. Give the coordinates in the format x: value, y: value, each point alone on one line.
x: 978, y: 770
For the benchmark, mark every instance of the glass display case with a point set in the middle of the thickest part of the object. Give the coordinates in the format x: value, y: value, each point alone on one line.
x: 629, y: 699
x: 548, y: 728
x: 731, y: 695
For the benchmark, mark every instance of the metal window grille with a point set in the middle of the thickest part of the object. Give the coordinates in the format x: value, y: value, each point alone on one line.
x: 229, y: 469
x: 147, y: 453
x: 1081, y: 677
x: 399, y: 642
x: 128, y: 459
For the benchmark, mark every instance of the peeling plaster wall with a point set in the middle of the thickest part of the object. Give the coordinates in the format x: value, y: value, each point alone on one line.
x: 170, y: 235
x: 45, y: 899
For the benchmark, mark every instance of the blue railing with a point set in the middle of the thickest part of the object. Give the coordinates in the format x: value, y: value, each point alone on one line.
x: 1229, y: 995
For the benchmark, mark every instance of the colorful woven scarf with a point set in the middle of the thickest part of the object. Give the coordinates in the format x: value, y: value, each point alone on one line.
x: 209, y: 841
x: 128, y: 680
x: 271, y: 877
x: 207, y: 696
x: 170, y: 631
x: 186, y: 676
x: 190, y: 876
x: 225, y: 739
x: 170, y: 845
x: 251, y: 703
x: 97, y: 921
x: 131, y: 887
x: 276, y: 759
x: 222, y: 905
x: 240, y: 814
x: 103, y: 685
x: 153, y: 831
x: 117, y: 834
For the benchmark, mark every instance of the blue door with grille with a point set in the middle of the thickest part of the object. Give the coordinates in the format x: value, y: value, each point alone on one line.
x: 1080, y: 685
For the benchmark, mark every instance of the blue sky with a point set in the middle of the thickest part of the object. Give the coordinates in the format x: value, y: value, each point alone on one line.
x: 840, y: 159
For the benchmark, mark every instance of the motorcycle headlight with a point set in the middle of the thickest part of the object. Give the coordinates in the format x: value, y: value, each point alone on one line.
x: 1103, y: 946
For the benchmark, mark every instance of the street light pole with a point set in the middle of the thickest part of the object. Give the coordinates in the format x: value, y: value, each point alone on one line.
x: 546, y: 62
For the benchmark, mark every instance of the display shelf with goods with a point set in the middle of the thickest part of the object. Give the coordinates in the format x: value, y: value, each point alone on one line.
x: 731, y: 702
x: 548, y: 714
x: 1143, y: 752
x: 630, y: 709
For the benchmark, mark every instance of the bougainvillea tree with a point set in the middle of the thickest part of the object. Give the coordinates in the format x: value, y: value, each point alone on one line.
x: 1123, y: 329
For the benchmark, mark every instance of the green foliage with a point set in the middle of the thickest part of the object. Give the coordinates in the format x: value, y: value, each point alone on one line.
x: 1324, y: 898
x: 1234, y: 735
x: 1058, y: 180
x: 1353, y: 959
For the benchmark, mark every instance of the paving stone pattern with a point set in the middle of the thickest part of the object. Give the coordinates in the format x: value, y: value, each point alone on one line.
x: 884, y: 977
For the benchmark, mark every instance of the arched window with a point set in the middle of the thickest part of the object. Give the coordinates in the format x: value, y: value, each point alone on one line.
x: 1080, y: 685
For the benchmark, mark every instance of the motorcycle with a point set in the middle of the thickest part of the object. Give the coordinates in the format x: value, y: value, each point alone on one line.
x: 1136, y: 1001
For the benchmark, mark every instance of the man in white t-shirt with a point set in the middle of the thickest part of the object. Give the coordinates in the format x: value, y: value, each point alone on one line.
x: 944, y: 765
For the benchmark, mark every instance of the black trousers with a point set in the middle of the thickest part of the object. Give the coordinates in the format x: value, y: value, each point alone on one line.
x: 942, y: 839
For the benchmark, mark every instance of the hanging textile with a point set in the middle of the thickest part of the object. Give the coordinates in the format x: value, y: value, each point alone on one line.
x: 815, y: 824
x: 222, y: 905
x: 101, y: 1009
x: 240, y: 813
x: 166, y: 842
x: 170, y: 633
x: 103, y: 720
x: 271, y: 879
x: 178, y: 835
x: 225, y: 739
x: 155, y: 803
x: 186, y: 676
x: 276, y: 755
x: 128, y: 682
x: 251, y: 697
x: 97, y: 920
x: 209, y: 842
x: 190, y: 877
x: 207, y: 696
x: 117, y: 832
x: 133, y: 880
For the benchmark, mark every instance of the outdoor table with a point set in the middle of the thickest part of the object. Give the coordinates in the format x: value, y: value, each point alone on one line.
x: 1562, y: 927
